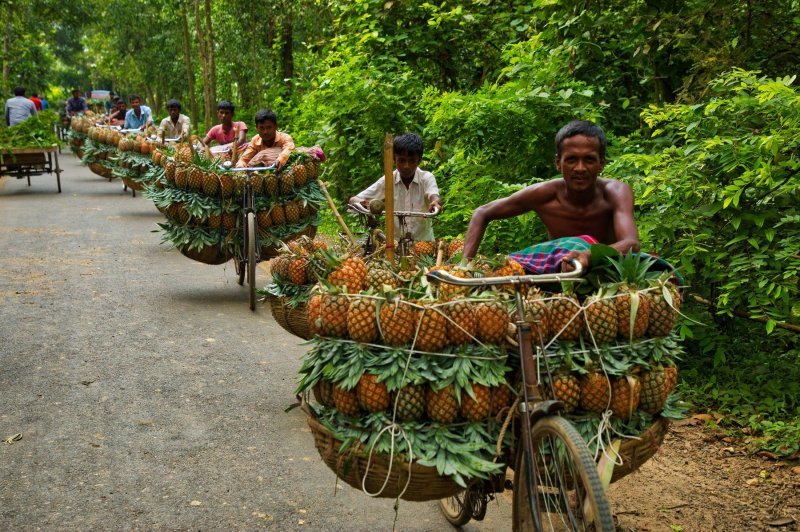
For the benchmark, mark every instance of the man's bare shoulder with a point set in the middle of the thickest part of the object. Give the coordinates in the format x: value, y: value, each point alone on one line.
x: 614, y: 189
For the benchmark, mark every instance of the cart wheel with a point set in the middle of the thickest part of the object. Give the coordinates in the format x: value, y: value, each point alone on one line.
x: 456, y: 509
x: 251, y: 257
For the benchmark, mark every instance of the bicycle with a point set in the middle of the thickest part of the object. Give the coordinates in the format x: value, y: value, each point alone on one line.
x: 370, y: 220
x: 556, y: 485
x: 250, y: 250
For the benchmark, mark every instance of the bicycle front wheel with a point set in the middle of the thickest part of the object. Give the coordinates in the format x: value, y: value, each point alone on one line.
x: 251, y: 258
x: 561, y: 481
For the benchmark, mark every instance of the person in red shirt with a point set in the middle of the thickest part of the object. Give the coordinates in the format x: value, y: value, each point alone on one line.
x: 225, y: 132
x: 36, y: 101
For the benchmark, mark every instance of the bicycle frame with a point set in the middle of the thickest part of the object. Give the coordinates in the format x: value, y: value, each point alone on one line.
x: 371, y: 221
x: 533, y: 405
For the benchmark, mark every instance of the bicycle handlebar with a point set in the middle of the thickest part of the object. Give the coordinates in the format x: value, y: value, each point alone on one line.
x: 360, y: 209
x: 447, y: 278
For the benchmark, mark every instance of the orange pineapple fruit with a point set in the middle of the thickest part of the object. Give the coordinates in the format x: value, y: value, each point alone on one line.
x: 373, y: 396
x: 537, y: 314
x: 462, y: 325
x: 278, y: 215
x: 346, y: 401
x: 654, y: 390
x: 333, y: 315
x: 567, y: 389
x: 625, y: 392
x: 492, y: 322
x: 323, y: 393
x: 595, y: 392
x: 424, y: 248
x: 361, y: 324
x: 600, y: 316
x: 314, y: 309
x: 297, y: 270
x: 566, y: 321
x: 502, y: 397
x: 410, y: 402
x: 432, y: 331
x: 441, y: 405
x: 397, y: 322
x: 480, y: 407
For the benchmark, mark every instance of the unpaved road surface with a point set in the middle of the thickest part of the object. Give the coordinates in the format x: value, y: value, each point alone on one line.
x: 148, y: 396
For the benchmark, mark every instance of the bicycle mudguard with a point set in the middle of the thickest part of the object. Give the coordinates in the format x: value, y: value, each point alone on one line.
x: 545, y: 408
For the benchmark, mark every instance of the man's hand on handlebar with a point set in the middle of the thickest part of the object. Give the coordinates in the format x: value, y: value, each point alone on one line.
x: 584, y: 257
x: 435, y: 205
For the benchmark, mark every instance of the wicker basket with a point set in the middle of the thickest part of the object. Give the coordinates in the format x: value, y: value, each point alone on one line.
x: 293, y: 320
x: 208, y: 255
x: 101, y: 170
x: 634, y: 453
x: 425, y: 483
x: 269, y: 252
x: 133, y: 185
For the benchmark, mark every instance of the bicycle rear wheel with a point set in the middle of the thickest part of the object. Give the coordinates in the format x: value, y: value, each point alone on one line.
x: 456, y: 508
x: 251, y: 258
x: 569, y: 494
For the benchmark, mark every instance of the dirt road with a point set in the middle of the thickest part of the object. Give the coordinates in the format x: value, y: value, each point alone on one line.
x: 149, y: 396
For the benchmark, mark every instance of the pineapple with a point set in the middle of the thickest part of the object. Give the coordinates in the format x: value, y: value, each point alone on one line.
x: 280, y: 266
x: 600, y: 316
x: 492, y: 322
x: 633, y: 307
x: 257, y: 182
x: 566, y: 321
x: 312, y: 168
x: 183, y: 154
x: 455, y: 247
x: 462, y: 325
x: 294, y: 210
x: 671, y: 374
x: 449, y: 291
x: 537, y: 314
x: 346, y: 401
x: 502, y: 397
x: 432, y: 330
x: 333, y: 314
x: 665, y: 303
x: 351, y: 273
x: 379, y: 275
x: 196, y: 178
x: 361, y: 324
x: 625, y: 393
x: 479, y: 407
x: 278, y: 215
x: 169, y: 171
x: 595, y: 392
x: 567, y: 389
x: 211, y: 185
x: 214, y: 221
x: 373, y: 396
x: 654, y: 390
x: 181, y: 176
x: 264, y: 220
x: 323, y: 393
x: 424, y: 248
x: 285, y: 183
x: 270, y: 185
x: 229, y: 221
x: 297, y: 270
x: 299, y: 174
x: 397, y: 324
x: 441, y: 405
x: 227, y: 186
x: 314, y: 309
x: 410, y: 402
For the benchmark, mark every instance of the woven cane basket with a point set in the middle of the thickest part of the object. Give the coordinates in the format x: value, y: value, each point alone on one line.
x: 634, y: 453
x: 101, y: 170
x: 269, y: 252
x: 207, y: 255
x: 425, y: 483
x: 293, y: 320
x: 131, y: 184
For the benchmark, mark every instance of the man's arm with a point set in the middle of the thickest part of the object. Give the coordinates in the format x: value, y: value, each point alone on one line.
x: 187, y: 127
x: 287, y: 143
x: 376, y: 190
x: 249, y: 153
x: 516, y: 204
x: 431, y: 191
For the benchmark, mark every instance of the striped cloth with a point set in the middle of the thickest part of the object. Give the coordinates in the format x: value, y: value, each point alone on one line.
x: 546, y: 257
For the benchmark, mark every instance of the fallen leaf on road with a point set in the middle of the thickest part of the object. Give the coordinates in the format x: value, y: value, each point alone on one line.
x: 783, y: 521
x: 210, y: 340
x: 196, y: 503
x: 796, y: 470
x: 752, y: 482
x: 11, y: 439
x: 703, y: 417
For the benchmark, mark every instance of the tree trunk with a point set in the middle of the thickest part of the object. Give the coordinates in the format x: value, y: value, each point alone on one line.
x: 256, y: 66
x: 211, y: 55
x: 288, y: 55
x: 201, y: 41
x: 187, y: 54
x: 7, y: 45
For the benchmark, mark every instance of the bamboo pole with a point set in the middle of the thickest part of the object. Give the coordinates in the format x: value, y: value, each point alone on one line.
x: 388, y: 174
x: 235, y: 146
x: 336, y: 214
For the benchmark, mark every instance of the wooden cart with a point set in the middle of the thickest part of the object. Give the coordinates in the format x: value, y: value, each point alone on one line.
x: 26, y: 162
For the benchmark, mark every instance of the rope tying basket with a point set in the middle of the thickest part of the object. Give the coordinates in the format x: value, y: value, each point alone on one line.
x: 635, y: 452
x: 293, y: 319
x: 411, y: 482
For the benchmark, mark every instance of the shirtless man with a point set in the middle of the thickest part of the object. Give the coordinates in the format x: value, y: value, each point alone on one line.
x: 579, y: 203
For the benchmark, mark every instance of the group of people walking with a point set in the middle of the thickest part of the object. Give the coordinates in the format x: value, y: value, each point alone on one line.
x: 19, y: 108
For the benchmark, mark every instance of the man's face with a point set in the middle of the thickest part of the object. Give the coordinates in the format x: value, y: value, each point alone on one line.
x: 76, y: 94
x: 225, y: 116
x: 174, y: 112
x: 122, y: 106
x: 266, y: 130
x: 580, y: 162
x: 406, y: 164
x: 135, y: 103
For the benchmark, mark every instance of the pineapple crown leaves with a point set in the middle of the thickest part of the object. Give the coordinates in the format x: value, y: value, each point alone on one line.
x: 632, y: 269
x: 320, y: 360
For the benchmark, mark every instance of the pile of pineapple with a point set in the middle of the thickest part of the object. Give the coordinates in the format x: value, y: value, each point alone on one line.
x: 202, y: 200
x: 100, y: 149
x: 391, y: 348
x: 78, y: 129
x: 135, y: 160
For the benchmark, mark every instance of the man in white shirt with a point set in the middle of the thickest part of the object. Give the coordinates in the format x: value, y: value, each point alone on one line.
x: 18, y: 108
x: 415, y: 190
x: 176, y: 124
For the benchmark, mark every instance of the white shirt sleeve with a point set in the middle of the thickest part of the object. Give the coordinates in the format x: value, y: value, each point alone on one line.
x: 429, y: 186
x: 376, y: 190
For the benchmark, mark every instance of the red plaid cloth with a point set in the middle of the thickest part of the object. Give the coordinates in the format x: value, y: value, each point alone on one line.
x: 546, y: 257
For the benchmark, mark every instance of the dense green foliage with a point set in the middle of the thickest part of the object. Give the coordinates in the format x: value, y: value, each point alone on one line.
x: 702, y: 121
